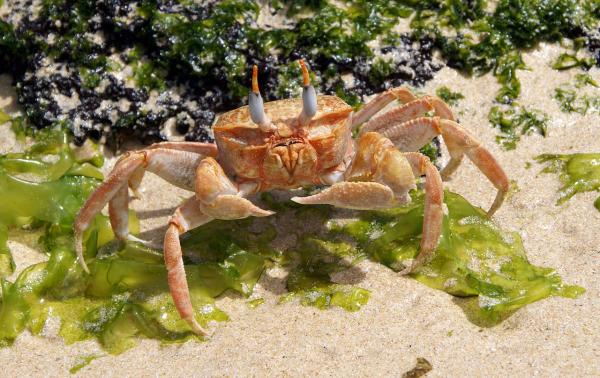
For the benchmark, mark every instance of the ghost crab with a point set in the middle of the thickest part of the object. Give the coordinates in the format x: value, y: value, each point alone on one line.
x: 289, y: 143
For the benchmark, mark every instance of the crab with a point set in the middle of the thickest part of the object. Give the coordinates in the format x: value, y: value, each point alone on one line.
x: 287, y: 144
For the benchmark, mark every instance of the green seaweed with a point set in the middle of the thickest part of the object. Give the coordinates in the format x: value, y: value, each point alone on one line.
x: 310, y: 278
x: 474, y: 260
x: 125, y: 295
x: 515, y: 121
x: 451, y: 98
x: 577, y: 172
x: 53, y: 196
x: 4, y: 117
x: 566, y: 61
x: 484, y: 41
x: 83, y: 362
x: 256, y: 302
x: 571, y: 99
x: 481, y: 41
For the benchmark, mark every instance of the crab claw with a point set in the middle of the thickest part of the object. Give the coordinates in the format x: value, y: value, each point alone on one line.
x: 229, y: 206
x: 352, y: 195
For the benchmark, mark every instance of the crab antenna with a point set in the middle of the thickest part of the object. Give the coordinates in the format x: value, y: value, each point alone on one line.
x: 309, y: 97
x: 255, y: 103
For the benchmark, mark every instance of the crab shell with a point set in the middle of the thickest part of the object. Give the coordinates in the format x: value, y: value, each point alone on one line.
x: 292, y: 156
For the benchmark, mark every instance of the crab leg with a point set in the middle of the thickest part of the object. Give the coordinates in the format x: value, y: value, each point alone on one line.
x: 176, y: 167
x: 404, y: 113
x: 186, y: 217
x: 118, y: 213
x: 216, y: 198
x: 203, y: 149
x: 113, y: 183
x: 442, y: 109
x: 379, y: 102
x: 433, y: 214
x: 412, y: 135
x: 459, y: 143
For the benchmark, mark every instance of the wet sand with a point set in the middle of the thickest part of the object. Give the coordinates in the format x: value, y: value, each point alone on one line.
x: 403, y: 319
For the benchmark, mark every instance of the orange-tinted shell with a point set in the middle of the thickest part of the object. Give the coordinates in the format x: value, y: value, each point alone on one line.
x: 244, y: 148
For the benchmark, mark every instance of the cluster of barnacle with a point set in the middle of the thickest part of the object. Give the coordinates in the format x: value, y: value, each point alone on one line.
x: 83, y: 56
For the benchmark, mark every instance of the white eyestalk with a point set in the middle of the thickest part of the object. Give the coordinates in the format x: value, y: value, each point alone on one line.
x: 309, y: 98
x: 256, y: 105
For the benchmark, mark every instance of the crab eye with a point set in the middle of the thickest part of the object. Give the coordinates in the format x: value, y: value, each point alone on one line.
x: 256, y: 105
x: 257, y: 112
x: 309, y: 97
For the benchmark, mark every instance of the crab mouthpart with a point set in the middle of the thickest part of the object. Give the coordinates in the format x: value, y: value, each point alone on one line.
x: 289, y: 154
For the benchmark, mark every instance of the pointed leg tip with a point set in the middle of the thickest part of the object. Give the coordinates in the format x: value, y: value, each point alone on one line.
x: 79, y: 251
x: 146, y: 243
x: 136, y: 194
x: 256, y: 211
x: 304, y: 200
x: 84, y: 265
x: 263, y: 213
x: 498, y: 201
x: 196, y: 328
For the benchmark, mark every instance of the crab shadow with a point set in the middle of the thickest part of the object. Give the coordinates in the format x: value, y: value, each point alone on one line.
x: 274, y: 278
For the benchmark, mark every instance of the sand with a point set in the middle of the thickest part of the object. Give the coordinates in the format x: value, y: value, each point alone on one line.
x: 404, y: 319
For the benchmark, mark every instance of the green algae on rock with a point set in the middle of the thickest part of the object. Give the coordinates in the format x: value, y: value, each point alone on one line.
x: 578, y: 173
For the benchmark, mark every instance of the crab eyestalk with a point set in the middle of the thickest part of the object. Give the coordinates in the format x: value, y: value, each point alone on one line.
x: 256, y: 105
x: 309, y: 98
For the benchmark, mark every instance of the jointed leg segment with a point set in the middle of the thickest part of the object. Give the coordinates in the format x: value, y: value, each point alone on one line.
x: 410, y: 134
x: 216, y: 198
x: 186, y: 217
x: 433, y: 214
x: 175, y: 165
